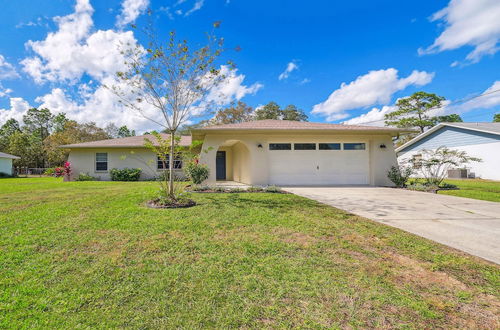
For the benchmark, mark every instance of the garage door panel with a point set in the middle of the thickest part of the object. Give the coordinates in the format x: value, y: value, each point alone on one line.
x: 319, y: 167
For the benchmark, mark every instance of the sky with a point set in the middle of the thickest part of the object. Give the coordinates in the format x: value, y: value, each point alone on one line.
x: 339, y: 61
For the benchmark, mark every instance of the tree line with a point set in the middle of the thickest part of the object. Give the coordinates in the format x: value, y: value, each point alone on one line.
x: 241, y: 112
x: 37, y: 138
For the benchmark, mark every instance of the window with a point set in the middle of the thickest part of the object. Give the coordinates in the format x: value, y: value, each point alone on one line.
x: 329, y: 146
x: 304, y: 146
x: 177, y: 162
x: 280, y: 146
x: 354, y: 146
x: 416, y: 160
x: 101, y: 161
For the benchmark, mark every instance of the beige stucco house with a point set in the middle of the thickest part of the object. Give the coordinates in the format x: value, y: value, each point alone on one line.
x: 264, y: 152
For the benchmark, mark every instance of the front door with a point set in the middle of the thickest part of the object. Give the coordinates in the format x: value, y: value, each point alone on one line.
x: 220, y: 165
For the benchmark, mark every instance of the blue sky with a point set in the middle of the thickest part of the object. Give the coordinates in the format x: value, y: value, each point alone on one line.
x: 347, y: 61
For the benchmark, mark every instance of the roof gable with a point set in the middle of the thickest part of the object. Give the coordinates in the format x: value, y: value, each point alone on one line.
x: 450, y: 135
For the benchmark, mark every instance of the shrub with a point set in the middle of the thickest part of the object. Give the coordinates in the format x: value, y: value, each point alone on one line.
x: 255, y: 189
x: 399, y: 175
x: 5, y: 175
x: 201, y: 188
x: 164, y: 176
x: 125, y: 174
x: 273, y: 189
x: 50, y: 171
x: 197, y: 172
x: 423, y: 187
x: 85, y: 177
x: 448, y: 186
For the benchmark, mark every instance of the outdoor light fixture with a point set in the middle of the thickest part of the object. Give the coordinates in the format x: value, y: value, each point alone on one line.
x: 259, y: 145
x: 382, y: 146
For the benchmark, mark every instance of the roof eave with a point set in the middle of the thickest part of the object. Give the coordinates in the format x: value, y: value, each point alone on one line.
x: 393, y: 131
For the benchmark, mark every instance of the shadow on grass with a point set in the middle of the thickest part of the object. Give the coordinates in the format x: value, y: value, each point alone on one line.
x: 268, y: 201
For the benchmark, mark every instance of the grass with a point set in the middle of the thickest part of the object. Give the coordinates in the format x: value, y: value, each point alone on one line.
x: 89, y: 254
x: 475, y: 188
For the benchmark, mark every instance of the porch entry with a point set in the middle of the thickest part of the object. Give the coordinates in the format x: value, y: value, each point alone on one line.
x: 220, y: 165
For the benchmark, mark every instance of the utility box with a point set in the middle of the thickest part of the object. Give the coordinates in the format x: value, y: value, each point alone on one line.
x: 458, y: 174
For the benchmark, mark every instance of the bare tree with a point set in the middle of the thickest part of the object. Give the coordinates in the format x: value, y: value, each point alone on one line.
x: 168, y: 82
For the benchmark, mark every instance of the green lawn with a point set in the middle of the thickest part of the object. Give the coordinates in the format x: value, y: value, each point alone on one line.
x: 88, y: 254
x: 477, y: 189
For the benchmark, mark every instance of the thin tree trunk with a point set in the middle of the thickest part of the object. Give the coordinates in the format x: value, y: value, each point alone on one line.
x: 171, y: 165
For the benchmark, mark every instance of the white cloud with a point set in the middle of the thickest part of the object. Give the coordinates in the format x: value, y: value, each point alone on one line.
x: 304, y: 81
x: 18, y: 107
x: 197, y: 6
x: 232, y: 88
x: 4, y: 91
x: 375, y: 87
x: 374, y: 117
x: 488, y: 99
x: 7, y: 70
x: 72, y: 51
x: 131, y: 9
x: 473, y: 23
x: 291, y: 66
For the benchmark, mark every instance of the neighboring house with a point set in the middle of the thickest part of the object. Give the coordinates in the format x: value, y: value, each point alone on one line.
x: 6, y: 163
x: 97, y: 158
x: 263, y: 152
x: 287, y: 153
x: 480, y: 140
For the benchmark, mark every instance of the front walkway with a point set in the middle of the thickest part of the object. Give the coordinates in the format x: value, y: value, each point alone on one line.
x: 466, y: 224
x: 231, y: 184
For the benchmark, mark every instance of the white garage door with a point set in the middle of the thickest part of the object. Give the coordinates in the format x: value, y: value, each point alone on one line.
x: 326, y: 164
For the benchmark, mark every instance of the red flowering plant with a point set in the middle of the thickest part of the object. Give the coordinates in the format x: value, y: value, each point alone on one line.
x: 59, y: 172
x: 67, y: 169
x: 62, y: 171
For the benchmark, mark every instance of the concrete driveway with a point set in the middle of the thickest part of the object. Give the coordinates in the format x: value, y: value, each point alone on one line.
x: 466, y: 224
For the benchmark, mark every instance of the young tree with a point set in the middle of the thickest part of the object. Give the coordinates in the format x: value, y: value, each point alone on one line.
x: 233, y: 114
x: 168, y: 82
x: 496, y: 118
x: 434, y: 164
x: 413, y: 111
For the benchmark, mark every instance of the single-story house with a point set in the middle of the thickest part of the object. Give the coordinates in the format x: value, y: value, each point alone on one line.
x: 6, y: 163
x: 480, y: 140
x: 287, y: 153
x: 263, y: 152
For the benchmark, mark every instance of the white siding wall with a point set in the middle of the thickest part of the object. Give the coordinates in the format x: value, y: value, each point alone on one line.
x: 6, y: 166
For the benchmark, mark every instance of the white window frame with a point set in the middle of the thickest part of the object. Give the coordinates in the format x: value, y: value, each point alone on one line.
x: 177, y: 163
x: 107, y: 162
